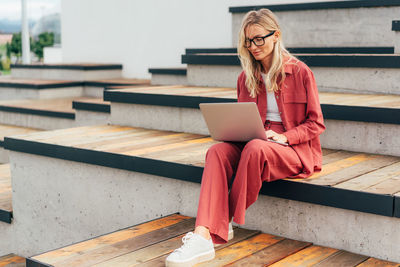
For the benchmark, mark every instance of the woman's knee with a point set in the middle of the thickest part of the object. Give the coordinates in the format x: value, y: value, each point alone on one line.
x: 222, y: 150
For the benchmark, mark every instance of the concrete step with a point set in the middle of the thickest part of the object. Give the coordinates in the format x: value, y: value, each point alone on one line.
x: 95, y: 88
x: 369, y: 121
x: 396, y: 29
x: 5, y: 194
x: 91, y: 111
x: 46, y: 114
x: 370, y: 74
x: 16, y: 88
x: 148, y: 244
x: 168, y: 76
x: 73, y: 71
x: 338, y: 23
x: 12, y: 260
x: 78, y: 183
x: 10, y: 130
x: 12, y: 88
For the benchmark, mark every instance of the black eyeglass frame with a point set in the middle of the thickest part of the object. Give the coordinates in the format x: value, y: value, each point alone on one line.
x: 252, y: 40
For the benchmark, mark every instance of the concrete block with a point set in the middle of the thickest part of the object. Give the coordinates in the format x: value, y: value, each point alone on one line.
x: 366, y: 137
x: 177, y: 119
x: 10, y: 93
x: 65, y: 74
x: 332, y: 27
x: 93, y: 91
x: 361, y: 80
x: 168, y: 79
x: 58, y: 202
x: 213, y: 75
x: 84, y: 118
x: 397, y: 42
x: 35, y: 121
x: 3, y: 155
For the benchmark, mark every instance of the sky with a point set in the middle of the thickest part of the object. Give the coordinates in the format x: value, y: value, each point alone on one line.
x: 11, y: 9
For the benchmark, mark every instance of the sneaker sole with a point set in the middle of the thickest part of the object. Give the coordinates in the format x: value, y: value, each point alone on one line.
x: 201, y: 258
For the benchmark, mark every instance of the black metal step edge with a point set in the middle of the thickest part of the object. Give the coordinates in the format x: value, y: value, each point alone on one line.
x: 335, y: 112
x: 1, y: 143
x: 40, y: 86
x: 396, y: 25
x: 346, y: 61
x: 169, y: 71
x: 161, y: 100
x: 322, y: 195
x: 5, y: 216
x: 46, y: 113
x: 68, y: 67
x: 33, y: 263
x: 96, y: 107
x: 396, y: 207
x: 319, y: 5
x: 306, y: 50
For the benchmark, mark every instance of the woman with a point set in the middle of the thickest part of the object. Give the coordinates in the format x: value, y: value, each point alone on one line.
x: 286, y: 94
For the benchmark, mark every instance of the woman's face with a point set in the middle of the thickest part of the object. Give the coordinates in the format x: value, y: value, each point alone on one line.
x: 263, y: 52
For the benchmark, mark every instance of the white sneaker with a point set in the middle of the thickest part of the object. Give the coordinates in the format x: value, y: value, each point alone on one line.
x: 195, y: 249
x: 230, y: 232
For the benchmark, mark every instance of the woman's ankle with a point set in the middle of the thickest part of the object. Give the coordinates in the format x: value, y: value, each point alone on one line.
x: 203, y: 231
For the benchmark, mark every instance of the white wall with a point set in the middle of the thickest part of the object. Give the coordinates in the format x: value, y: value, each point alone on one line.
x: 145, y: 33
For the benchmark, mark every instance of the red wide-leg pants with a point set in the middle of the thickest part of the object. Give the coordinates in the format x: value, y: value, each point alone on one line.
x: 253, y: 163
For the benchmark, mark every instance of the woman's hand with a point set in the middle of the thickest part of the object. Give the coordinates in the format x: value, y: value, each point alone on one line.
x: 275, y: 136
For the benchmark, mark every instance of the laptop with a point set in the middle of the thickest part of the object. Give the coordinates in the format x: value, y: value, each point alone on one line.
x: 237, y: 122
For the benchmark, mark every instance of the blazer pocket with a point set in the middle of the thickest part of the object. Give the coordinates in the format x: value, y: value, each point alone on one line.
x: 294, y: 98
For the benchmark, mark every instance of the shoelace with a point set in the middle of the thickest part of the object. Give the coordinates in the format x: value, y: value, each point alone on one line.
x: 185, y: 241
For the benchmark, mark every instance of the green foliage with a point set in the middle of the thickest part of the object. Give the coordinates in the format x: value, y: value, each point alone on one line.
x: 44, y: 39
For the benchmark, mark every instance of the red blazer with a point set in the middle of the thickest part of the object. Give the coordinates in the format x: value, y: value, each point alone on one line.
x: 300, y: 111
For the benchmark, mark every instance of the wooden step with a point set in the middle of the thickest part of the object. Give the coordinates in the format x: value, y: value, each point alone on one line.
x: 95, y: 88
x: 12, y: 260
x: 355, y: 181
x: 149, y: 244
x: 5, y: 194
x: 91, y: 104
x: 10, y: 130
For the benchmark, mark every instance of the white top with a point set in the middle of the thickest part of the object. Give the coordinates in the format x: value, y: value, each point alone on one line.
x: 272, y: 106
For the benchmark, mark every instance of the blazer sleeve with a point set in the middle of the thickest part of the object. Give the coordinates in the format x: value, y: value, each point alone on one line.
x: 313, y: 125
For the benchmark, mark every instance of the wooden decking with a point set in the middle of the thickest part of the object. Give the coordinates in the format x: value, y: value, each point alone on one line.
x: 10, y: 130
x: 341, y: 169
x: 12, y: 260
x: 148, y: 244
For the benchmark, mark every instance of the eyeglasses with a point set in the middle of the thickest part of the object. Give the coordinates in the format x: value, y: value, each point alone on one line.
x: 258, y: 41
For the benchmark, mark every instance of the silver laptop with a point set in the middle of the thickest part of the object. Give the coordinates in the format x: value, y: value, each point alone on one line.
x: 238, y: 122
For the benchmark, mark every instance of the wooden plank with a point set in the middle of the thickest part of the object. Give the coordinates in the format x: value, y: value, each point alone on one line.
x: 105, y: 240
x: 168, y: 146
x: 373, y: 262
x: 336, y: 156
x: 364, y: 181
x: 342, y: 259
x: 272, y: 253
x: 335, y: 166
x: 12, y: 260
x: 306, y: 257
x: 147, y: 256
x: 89, y: 258
x: 372, y: 163
x: 156, y: 143
x: 389, y: 186
x: 242, y: 249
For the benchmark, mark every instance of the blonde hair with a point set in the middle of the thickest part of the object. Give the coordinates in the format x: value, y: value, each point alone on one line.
x: 253, y: 68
